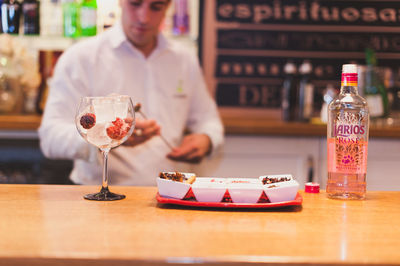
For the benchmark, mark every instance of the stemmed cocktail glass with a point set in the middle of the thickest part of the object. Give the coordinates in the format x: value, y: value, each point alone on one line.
x: 105, y: 122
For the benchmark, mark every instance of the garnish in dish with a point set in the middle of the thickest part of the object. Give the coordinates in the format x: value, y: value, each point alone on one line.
x: 270, y: 180
x: 179, y: 177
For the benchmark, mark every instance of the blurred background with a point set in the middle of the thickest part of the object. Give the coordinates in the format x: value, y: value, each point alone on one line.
x: 272, y: 66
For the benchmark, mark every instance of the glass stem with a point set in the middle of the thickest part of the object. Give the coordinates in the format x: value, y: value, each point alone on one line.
x: 105, y: 171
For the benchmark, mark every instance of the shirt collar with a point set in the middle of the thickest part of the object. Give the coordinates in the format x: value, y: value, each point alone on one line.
x: 118, y: 38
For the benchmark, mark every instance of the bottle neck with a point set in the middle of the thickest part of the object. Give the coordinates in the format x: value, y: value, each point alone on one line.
x: 349, y: 83
x: 348, y: 90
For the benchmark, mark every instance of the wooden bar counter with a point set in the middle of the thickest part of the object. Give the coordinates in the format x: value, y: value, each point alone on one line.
x: 54, y: 225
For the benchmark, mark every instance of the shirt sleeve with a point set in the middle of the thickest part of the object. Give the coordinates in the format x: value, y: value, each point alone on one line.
x: 59, y: 138
x: 203, y: 115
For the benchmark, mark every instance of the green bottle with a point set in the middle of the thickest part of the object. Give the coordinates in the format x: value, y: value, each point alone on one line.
x: 375, y: 91
x: 88, y: 17
x: 71, y: 19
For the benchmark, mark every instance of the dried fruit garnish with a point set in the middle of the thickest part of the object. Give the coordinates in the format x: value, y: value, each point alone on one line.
x: 118, y: 130
x: 271, y: 180
x: 178, y: 176
x: 88, y: 120
x: 175, y: 176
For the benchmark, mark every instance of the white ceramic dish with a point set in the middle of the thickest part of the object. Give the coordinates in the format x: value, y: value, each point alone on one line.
x: 244, y: 190
x: 173, y: 189
x: 208, y: 189
x: 281, y: 191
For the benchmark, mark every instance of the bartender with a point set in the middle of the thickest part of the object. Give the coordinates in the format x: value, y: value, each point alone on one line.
x: 134, y: 59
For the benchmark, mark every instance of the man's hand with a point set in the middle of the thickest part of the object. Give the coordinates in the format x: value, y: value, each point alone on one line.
x: 192, y: 149
x: 144, y: 130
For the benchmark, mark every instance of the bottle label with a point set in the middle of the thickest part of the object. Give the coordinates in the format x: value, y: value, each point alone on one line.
x: 349, y: 79
x: 348, y: 143
x: 346, y: 155
x: 30, y: 9
x: 88, y: 17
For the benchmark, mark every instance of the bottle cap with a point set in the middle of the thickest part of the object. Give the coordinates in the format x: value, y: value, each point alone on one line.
x: 311, y: 187
x: 289, y: 68
x: 349, y: 68
x: 305, y: 67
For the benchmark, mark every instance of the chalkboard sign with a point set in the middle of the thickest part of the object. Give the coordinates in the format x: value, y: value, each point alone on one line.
x: 245, y: 44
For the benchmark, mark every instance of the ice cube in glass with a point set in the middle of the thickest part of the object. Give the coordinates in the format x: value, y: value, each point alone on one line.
x: 103, y: 109
x: 121, y: 109
x: 97, y: 135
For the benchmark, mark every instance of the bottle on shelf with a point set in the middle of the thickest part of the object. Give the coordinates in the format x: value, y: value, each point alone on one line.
x: 306, y: 92
x: 51, y: 18
x: 1, y: 27
x: 289, y: 92
x: 329, y: 94
x: 347, y: 138
x: 374, y: 90
x: 180, y: 17
x: 71, y: 24
x: 31, y: 15
x: 88, y: 17
x: 10, y: 16
x: 394, y: 93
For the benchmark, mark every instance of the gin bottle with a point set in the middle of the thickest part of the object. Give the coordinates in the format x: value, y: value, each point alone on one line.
x: 10, y: 16
x: 375, y: 91
x: 181, y: 17
x: 88, y: 17
x: 290, y: 92
x: 306, y: 92
x: 347, y: 138
x: 31, y: 14
x: 71, y: 19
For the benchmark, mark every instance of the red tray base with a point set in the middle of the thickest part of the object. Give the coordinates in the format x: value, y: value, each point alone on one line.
x: 228, y: 204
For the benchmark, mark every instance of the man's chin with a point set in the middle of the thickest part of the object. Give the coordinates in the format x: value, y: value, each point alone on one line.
x: 139, y: 43
x: 141, y: 40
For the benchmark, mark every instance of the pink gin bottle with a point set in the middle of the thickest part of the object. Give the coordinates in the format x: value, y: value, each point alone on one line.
x: 347, y: 137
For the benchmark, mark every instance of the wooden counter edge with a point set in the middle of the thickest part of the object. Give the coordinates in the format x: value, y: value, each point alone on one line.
x: 169, y: 261
x: 233, y: 126
x: 20, y: 122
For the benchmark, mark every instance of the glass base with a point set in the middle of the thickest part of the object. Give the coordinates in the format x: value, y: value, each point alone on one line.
x: 104, y: 195
x: 346, y: 196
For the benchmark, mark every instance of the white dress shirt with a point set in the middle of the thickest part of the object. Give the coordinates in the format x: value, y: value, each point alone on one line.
x: 168, y: 84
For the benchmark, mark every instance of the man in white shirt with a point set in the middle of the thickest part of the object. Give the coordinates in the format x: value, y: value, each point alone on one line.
x: 132, y: 58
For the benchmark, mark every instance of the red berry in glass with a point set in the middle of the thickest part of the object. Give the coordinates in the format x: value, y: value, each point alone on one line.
x: 88, y: 120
